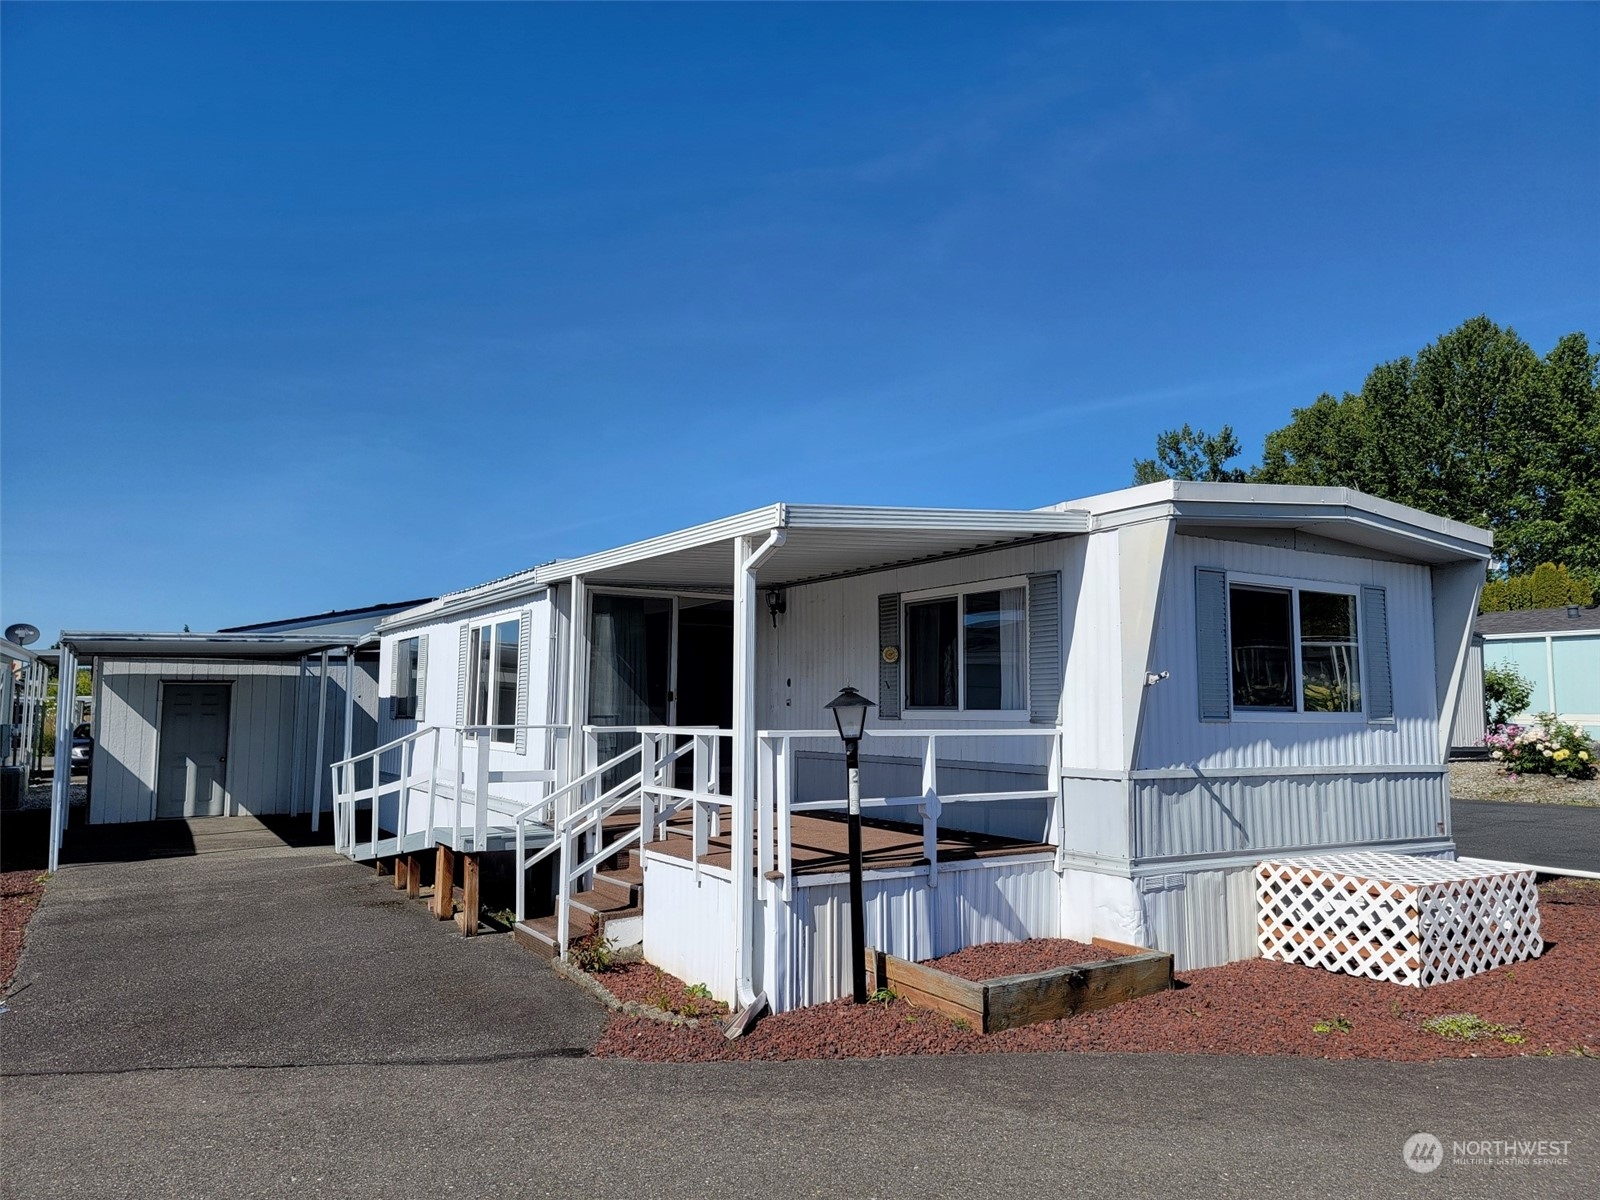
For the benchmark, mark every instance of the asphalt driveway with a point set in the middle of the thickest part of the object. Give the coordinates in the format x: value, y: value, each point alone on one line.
x: 1542, y: 835
x: 255, y: 1018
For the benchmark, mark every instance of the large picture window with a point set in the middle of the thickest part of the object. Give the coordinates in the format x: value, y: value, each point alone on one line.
x: 1294, y: 649
x: 967, y: 651
x: 492, y: 677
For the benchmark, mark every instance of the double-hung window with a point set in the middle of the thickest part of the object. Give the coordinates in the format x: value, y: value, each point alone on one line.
x: 492, y: 677
x: 1294, y: 649
x: 968, y: 651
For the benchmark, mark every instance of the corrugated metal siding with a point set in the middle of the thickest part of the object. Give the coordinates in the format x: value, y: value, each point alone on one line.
x: 1171, y: 734
x: 1092, y: 707
x: 260, y: 735
x: 688, y: 929
x: 997, y: 901
x: 1204, y: 918
x: 1261, y: 814
x: 1471, y: 723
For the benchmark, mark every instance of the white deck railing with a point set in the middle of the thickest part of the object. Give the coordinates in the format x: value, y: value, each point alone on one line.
x: 775, y: 787
x: 475, y: 753
x: 348, y: 792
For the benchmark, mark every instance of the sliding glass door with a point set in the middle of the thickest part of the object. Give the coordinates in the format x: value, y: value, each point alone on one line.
x: 630, y: 669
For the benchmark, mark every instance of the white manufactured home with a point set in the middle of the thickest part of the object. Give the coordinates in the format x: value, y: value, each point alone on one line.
x: 1091, y: 720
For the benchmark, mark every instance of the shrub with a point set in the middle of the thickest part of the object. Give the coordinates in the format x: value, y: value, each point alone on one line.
x: 595, y: 952
x: 1547, y: 747
x: 1506, y: 692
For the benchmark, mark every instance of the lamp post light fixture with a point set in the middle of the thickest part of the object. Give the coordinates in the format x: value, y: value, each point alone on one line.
x: 849, y: 710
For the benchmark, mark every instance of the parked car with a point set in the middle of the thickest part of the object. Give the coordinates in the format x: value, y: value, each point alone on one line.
x: 82, y: 747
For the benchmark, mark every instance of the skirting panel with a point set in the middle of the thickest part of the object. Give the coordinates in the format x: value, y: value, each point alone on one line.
x: 807, y: 944
x: 688, y: 924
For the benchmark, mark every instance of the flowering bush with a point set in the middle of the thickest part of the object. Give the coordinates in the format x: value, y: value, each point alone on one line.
x: 1547, y: 747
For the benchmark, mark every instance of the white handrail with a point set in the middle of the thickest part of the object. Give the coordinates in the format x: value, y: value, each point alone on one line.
x: 644, y: 787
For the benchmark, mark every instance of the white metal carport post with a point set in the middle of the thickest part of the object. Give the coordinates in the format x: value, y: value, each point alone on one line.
x: 61, y: 777
x: 322, y: 730
x: 747, y: 559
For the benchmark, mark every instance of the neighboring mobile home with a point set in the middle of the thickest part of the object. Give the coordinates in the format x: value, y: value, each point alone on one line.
x: 240, y: 721
x: 1558, y: 650
x: 1091, y: 720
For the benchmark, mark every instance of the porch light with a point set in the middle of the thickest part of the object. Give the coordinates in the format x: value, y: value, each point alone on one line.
x: 849, y: 710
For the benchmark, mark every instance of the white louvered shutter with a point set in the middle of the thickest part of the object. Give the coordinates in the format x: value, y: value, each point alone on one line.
x: 422, y: 677
x: 524, y: 674
x: 461, y: 680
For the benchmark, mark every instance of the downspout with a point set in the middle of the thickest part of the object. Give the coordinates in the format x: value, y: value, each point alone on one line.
x: 746, y: 563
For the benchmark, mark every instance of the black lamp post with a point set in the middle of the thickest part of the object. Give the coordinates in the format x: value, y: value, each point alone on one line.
x: 849, y: 710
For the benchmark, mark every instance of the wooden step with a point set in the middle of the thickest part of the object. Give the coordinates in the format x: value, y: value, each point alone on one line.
x: 624, y: 885
x: 539, y: 933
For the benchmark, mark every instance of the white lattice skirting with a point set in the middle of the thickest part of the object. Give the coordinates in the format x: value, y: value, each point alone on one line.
x: 1413, y: 921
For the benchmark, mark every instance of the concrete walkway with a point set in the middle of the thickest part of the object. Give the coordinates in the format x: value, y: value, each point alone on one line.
x: 260, y: 1019
x: 1543, y: 835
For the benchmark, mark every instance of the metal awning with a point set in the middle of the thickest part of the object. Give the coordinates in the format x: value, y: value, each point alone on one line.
x: 819, y: 542
x: 197, y: 645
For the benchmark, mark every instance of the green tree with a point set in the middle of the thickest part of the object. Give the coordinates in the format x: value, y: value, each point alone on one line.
x: 1191, y: 454
x: 1476, y: 427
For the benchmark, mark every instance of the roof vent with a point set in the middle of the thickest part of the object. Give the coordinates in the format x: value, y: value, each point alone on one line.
x: 1572, y: 612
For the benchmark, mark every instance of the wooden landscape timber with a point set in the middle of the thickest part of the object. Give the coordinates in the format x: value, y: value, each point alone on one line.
x: 1010, y: 1001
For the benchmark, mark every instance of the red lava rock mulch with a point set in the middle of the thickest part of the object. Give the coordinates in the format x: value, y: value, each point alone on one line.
x: 20, y: 893
x: 645, y: 984
x: 995, y: 959
x: 1552, y: 1004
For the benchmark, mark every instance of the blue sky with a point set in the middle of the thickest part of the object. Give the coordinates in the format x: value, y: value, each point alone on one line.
x: 316, y: 306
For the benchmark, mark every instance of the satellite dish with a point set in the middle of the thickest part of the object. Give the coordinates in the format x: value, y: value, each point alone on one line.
x: 22, y: 635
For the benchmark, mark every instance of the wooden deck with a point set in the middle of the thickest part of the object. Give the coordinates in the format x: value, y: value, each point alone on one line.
x: 821, y: 846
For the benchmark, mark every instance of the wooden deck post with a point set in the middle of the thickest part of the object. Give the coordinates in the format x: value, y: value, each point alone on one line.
x: 444, y: 881
x: 469, y: 895
x: 413, y: 876
x: 399, y: 872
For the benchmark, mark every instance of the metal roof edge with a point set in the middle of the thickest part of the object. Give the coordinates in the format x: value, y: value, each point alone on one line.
x: 1286, y: 503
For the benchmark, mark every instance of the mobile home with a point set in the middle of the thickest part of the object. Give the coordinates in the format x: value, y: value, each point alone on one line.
x: 1091, y: 720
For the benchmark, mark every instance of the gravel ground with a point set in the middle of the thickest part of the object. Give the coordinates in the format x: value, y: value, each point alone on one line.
x: 646, y: 984
x: 37, y: 795
x: 1546, y: 1006
x: 1487, y: 781
x: 994, y: 959
x: 20, y: 893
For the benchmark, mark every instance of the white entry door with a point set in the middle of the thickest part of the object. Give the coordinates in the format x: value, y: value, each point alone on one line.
x: 194, y: 750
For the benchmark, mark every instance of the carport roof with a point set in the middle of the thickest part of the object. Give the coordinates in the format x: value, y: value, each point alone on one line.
x: 196, y: 645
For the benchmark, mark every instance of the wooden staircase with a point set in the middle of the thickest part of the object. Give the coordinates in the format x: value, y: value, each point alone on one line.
x: 616, y: 898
